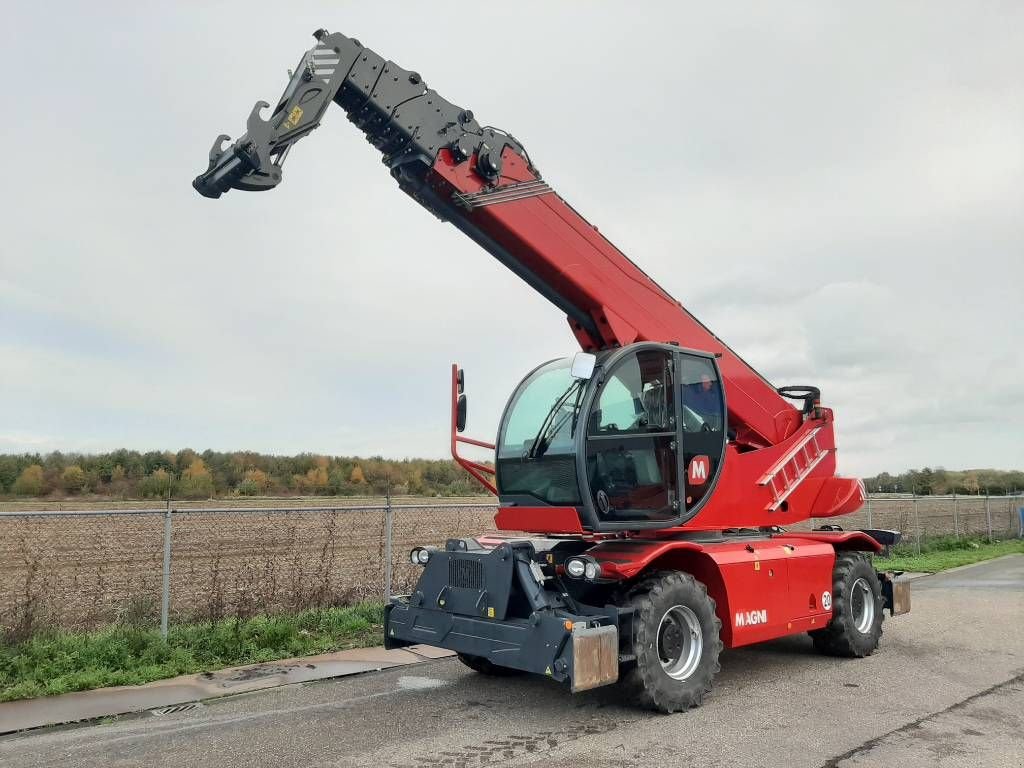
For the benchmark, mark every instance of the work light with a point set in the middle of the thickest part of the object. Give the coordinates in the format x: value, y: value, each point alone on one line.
x: 583, y: 567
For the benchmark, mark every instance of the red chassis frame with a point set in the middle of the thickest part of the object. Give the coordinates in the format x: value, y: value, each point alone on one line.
x: 763, y: 588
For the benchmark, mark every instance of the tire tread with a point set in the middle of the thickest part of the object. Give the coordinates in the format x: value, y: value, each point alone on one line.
x: 642, y: 683
x: 840, y: 637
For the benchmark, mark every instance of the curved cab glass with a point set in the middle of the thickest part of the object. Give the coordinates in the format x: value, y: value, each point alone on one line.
x: 536, y: 452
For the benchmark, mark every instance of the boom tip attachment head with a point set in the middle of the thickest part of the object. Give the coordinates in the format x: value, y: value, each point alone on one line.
x: 247, y: 164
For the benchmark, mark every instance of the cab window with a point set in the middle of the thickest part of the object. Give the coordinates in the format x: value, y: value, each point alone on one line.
x: 703, y: 422
x: 536, y: 448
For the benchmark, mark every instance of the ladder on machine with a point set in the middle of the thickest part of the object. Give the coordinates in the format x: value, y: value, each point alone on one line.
x: 789, y: 471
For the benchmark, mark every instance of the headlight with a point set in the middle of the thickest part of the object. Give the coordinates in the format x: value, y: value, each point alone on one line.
x: 575, y: 567
x: 583, y: 567
x: 419, y: 556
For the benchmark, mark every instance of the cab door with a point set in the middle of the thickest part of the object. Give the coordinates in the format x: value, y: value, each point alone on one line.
x: 702, y: 427
x: 632, y: 442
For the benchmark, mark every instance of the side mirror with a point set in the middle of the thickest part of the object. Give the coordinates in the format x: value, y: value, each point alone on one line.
x: 460, y: 377
x: 460, y: 414
x: 583, y: 364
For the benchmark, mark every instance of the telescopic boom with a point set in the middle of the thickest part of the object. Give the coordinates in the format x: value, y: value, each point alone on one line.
x: 482, y: 180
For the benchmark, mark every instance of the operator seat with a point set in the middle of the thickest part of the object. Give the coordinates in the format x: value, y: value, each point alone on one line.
x: 656, y: 407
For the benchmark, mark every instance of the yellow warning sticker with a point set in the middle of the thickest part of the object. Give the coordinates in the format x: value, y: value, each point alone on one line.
x: 293, y: 117
x: 547, y: 671
x: 757, y: 565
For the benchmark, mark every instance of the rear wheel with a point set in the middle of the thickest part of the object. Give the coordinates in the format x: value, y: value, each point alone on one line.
x: 856, y: 626
x: 486, y: 666
x: 675, y: 638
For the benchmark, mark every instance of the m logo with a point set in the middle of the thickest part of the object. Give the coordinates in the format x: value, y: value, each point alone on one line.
x: 699, y: 470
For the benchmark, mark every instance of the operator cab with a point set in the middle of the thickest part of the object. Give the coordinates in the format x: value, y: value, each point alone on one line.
x: 632, y: 437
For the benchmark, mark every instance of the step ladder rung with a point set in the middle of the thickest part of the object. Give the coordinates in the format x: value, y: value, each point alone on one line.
x: 779, y: 498
x: 791, y: 468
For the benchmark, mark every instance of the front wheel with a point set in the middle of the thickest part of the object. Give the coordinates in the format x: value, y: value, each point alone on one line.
x: 675, y: 638
x: 856, y: 626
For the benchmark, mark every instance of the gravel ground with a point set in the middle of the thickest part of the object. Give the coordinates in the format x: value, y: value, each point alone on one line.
x: 945, y: 689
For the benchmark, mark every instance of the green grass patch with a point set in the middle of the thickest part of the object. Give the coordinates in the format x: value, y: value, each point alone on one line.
x: 947, y: 552
x: 59, y: 662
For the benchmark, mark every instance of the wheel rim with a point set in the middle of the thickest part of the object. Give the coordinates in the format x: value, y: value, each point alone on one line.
x: 862, y: 604
x: 680, y: 642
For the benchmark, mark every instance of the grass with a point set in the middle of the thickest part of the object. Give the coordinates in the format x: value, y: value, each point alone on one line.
x: 58, y: 662
x: 947, y: 552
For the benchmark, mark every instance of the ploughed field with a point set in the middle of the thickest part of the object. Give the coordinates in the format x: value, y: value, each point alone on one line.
x: 79, y: 571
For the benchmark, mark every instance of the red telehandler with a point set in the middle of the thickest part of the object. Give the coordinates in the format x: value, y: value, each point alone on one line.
x: 645, y: 480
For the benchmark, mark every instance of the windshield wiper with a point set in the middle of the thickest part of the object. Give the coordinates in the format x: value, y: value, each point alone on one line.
x: 540, y: 440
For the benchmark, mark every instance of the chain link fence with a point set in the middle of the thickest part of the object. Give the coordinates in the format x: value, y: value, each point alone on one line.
x: 84, y: 569
x: 924, y: 517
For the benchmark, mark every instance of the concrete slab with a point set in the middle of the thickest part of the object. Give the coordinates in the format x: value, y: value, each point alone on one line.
x: 107, y: 702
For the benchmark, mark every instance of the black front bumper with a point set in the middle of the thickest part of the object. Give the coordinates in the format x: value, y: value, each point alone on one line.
x: 489, y: 604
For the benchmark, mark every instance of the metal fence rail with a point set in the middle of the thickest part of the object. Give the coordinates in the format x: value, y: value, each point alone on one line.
x: 84, y: 569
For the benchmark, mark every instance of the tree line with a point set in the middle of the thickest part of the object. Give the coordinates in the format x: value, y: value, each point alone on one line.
x: 187, y: 474
x: 939, y: 481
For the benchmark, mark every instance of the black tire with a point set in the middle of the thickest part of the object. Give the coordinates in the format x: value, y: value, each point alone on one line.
x: 656, y: 599
x: 856, y: 591
x: 486, y: 666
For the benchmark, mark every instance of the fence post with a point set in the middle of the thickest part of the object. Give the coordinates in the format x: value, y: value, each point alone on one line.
x: 956, y: 517
x: 869, y: 511
x: 165, y: 600
x: 988, y: 516
x: 389, y: 524
x: 917, y: 525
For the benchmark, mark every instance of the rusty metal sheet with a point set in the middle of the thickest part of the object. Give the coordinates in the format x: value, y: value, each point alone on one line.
x: 595, y: 654
x: 900, y: 597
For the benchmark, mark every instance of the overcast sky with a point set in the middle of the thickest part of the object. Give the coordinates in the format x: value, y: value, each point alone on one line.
x: 837, y: 190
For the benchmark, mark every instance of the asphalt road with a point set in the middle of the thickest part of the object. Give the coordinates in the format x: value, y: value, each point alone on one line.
x: 946, y: 688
